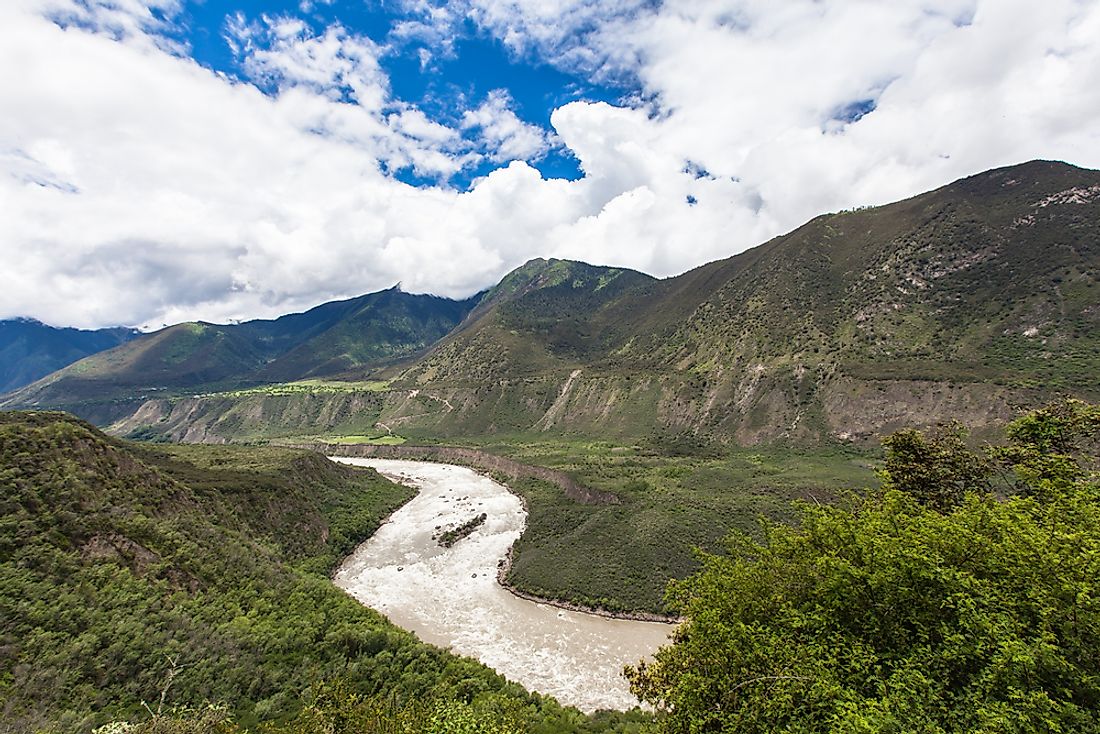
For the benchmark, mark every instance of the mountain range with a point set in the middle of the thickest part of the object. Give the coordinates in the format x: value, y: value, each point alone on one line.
x: 967, y: 302
x: 365, y: 332
x: 30, y: 349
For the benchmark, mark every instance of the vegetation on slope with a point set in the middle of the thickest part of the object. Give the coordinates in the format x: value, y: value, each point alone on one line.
x: 375, y: 330
x: 124, y: 567
x: 935, y: 605
x: 960, y: 597
x: 670, y: 506
x: 334, y: 708
x: 541, y: 316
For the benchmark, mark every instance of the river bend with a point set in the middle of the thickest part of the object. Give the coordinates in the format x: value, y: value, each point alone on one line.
x: 450, y: 596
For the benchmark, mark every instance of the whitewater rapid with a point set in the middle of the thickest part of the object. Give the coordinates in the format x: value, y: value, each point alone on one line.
x: 450, y: 596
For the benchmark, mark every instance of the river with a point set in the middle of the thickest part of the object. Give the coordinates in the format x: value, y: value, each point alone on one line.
x: 450, y: 596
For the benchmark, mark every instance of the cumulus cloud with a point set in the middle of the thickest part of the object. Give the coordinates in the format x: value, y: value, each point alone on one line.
x: 139, y: 187
x: 573, y: 34
x: 501, y: 133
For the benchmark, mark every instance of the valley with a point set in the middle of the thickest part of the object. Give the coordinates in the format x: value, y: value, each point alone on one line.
x: 125, y: 565
x: 572, y: 367
x: 640, y: 512
x: 645, y: 426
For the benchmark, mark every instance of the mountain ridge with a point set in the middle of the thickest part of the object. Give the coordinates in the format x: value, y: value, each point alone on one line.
x: 30, y: 349
x: 321, y: 341
x: 971, y: 301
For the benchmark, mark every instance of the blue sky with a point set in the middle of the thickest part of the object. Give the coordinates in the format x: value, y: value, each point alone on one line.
x: 168, y: 160
x: 443, y: 85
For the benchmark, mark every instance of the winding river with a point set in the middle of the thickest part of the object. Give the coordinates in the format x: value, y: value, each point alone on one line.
x: 450, y: 596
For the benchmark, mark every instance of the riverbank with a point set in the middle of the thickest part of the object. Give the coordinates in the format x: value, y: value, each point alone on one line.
x: 473, y: 458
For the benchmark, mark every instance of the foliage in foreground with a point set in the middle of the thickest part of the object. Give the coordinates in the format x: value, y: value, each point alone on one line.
x: 334, y: 707
x: 928, y: 607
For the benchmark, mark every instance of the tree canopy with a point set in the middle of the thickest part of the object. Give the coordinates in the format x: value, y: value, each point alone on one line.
x: 932, y: 605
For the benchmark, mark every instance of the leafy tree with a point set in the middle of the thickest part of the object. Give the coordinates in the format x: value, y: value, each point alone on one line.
x: 936, y: 469
x: 1051, y: 450
x: 899, y: 616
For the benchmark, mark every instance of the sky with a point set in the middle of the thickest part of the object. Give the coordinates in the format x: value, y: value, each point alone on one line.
x: 170, y: 160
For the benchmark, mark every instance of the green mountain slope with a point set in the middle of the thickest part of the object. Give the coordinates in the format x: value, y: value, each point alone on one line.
x: 30, y: 349
x: 360, y: 333
x: 544, y: 316
x: 367, y: 332
x: 967, y: 303
x: 122, y: 565
x: 960, y: 303
x: 987, y: 278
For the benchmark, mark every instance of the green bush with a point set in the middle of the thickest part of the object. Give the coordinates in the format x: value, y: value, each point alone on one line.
x: 896, y: 616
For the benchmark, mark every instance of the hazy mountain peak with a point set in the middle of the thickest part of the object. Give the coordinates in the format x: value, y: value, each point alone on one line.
x: 30, y: 349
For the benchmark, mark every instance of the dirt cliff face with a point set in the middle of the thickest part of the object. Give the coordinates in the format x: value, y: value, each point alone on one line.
x: 480, y: 460
x: 785, y: 400
x: 801, y: 404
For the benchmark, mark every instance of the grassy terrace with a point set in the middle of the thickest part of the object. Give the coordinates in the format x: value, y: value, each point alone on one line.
x: 620, y: 557
x: 379, y: 439
x: 299, y: 387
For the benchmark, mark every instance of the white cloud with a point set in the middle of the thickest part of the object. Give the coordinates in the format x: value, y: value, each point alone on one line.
x: 502, y: 133
x: 567, y: 33
x: 284, y: 51
x: 139, y: 187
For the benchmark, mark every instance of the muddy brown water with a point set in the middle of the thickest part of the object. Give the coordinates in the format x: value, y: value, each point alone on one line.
x: 450, y: 596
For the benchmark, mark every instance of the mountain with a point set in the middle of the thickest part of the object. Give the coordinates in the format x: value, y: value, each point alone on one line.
x: 967, y: 302
x: 359, y: 333
x: 30, y: 349
x: 964, y: 302
x: 544, y: 316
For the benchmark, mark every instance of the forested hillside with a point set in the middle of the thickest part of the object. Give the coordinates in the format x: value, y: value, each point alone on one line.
x: 128, y: 572
x: 961, y: 597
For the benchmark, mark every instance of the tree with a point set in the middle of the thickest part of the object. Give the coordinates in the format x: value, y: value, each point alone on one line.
x: 1052, y: 450
x: 896, y: 616
x: 937, y: 469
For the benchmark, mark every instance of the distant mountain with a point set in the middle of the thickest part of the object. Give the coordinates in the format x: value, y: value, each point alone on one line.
x: 30, y: 349
x: 967, y: 302
x: 361, y: 333
x: 356, y: 334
